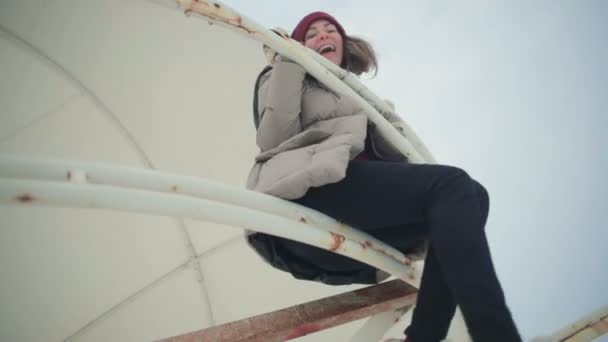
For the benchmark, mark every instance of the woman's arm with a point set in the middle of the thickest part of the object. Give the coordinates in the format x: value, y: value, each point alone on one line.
x: 384, y: 149
x: 279, y: 104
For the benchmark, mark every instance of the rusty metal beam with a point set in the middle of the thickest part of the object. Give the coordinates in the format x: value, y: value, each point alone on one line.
x: 589, y: 332
x: 587, y: 328
x: 307, y: 318
x: 378, y: 325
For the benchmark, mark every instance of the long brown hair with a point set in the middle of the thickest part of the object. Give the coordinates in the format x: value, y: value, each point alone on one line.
x: 359, y: 56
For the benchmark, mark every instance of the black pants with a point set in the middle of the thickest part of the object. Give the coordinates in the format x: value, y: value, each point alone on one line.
x: 400, y: 202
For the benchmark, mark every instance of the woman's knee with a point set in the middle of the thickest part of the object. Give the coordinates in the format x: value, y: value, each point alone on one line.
x: 484, y: 199
x: 463, y: 181
x: 453, y: 176
x: 447, y: 173
x: 448, y: 183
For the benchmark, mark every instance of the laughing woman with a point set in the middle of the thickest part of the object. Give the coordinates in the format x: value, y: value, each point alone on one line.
x: 318, y: 149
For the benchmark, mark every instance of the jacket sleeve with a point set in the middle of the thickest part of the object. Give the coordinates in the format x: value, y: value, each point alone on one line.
x: 384, y: 149
x: 279, y: 104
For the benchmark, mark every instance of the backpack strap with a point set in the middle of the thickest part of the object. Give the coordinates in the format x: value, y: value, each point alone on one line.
x: 256, y: 115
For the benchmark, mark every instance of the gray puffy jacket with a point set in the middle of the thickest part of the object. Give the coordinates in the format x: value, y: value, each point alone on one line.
x: 307, y: 134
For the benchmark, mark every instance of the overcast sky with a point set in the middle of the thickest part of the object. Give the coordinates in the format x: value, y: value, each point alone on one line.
x: 515, y: 93
x: 512, y: 91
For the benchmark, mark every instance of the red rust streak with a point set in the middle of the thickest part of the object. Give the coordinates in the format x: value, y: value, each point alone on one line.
x: 337, y: 243
x: 25, y: 198
x: 599, y: 326
x: 593, y: 326
x: 212, y: 13
x: 303, y: 330
x: 369, y: 244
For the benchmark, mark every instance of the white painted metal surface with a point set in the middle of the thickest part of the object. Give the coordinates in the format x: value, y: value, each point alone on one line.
x: 126, y: 83
x: 28, y: 192
x: 79, y: 172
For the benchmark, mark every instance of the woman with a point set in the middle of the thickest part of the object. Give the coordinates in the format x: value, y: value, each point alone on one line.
x: 319, y: 150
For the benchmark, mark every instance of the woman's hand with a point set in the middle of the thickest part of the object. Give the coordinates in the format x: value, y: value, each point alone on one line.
x: 272, y: 56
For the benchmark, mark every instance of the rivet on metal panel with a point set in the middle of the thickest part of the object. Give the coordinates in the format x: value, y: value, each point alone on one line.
x: 77, y: 176
x: 25, y: 198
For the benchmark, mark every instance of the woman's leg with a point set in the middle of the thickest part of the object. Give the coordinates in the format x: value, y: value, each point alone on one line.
x: 380, y: 194
x: 457, y: 234
x: 436, y: 306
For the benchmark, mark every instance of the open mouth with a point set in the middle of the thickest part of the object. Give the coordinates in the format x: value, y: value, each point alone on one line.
x: 325, y: 49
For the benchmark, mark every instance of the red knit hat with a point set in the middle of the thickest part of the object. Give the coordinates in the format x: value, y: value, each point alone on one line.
x: 300, y: 31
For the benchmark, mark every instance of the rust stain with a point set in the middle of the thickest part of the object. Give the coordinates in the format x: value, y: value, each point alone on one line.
x: 303, y: 219
x: 25, y: 198
x: 600, y: 326
x: 303, y: 330
x: 407, y: 261
x: 368, y: 244
x: 337, y: 243
x: 214, y: 13
x: 596, y: 326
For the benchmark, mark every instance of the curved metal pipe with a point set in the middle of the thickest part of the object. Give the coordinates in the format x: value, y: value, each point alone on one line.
x: 128, y: 177
x: 44, y: 193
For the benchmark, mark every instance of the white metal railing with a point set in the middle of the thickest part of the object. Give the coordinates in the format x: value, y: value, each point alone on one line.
x: 77, y: 184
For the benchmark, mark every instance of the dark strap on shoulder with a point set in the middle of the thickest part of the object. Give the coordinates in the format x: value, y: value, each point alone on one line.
x: 256, y: 115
